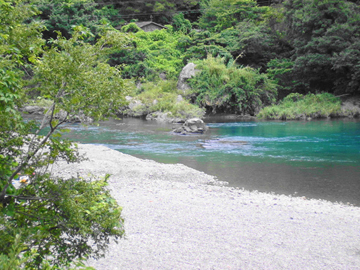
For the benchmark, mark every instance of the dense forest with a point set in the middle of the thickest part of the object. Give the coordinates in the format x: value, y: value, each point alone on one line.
x: 279, y: 59
x: 287, y: 47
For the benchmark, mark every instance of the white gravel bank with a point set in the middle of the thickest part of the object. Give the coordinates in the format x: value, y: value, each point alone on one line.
x: 177, y: 218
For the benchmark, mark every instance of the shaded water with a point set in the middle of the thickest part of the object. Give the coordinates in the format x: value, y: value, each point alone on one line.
x: 316, y: 159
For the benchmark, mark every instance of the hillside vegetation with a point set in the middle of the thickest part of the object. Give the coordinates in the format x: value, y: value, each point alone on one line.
x: 86, y: 59
x: 296, y: 46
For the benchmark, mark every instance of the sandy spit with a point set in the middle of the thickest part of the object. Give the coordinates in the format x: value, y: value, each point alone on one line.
x: 180, y: 218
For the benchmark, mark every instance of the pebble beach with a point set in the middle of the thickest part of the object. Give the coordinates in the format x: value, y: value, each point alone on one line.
x: 180, y: 218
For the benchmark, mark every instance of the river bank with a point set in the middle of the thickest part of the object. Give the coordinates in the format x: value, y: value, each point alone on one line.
x: 180, y: 218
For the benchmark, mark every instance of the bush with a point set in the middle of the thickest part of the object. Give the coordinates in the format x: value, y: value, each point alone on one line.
x: 224, y: 89
x: 152, y: 53
x: 131, y: 27
x: 163, y: 97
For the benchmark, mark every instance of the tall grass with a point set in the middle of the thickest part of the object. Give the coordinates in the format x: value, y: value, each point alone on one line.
x: 297, y: 106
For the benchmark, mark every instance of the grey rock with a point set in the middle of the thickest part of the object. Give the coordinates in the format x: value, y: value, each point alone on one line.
x: 191, y: 126
x: 134, y: 108
x: 187, y: 72
x: 162, y: 76
x: 166, y: 117
x: 179, y: 99
x: 33, y: 109
x: 160, y: 116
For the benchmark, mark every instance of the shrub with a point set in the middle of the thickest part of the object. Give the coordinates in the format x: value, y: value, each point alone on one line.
x: 131, y: 27
x: 163, y: 96
x: 219, y: 88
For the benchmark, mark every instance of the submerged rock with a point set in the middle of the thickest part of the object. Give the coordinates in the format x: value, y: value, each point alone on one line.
x: 223, y: 143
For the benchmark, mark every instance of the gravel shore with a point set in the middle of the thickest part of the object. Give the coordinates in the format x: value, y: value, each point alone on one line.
x: 180, y: 218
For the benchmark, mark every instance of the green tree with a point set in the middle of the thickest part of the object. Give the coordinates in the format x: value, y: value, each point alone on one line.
x: 218, y: 15
x: 181, y: 24
x: 160, y: 11
x: 64, y: 15
x: 52, y: 222
x: 198, y: 45
x: 151, y: 53
x: 325, y: 35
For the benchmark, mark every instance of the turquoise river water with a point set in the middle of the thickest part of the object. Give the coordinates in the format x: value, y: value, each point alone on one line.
x: 314, y: 159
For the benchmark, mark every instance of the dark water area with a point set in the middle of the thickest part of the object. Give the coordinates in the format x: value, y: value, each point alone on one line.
x: 315, y: 159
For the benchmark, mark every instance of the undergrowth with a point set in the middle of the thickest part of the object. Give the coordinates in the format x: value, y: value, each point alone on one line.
x: 163, y: 96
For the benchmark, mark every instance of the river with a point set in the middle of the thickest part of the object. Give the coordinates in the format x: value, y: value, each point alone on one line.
x: 313, y: 159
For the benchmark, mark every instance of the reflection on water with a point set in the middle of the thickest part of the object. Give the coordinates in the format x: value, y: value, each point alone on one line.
x: 317, y: 159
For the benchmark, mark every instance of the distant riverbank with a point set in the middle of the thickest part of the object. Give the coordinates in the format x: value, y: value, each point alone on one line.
x: 180, y: 218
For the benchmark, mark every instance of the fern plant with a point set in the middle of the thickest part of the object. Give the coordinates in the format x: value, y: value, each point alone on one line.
x: 231, y: 89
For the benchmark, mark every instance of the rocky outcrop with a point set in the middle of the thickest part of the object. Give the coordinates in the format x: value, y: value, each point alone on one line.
x: 192, y: 126
x: 350, y: 107
x: 38, y: 110
x: 32, y: 109
x: 135, y: 108
x: 187, y: 72
x: 76, y: 118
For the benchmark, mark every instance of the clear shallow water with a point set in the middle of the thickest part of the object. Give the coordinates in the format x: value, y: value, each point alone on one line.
x: 317, y: 159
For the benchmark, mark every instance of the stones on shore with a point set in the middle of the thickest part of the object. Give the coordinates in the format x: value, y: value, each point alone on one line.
x: 164, y: 117
x: 192, y: 126
x: 38, y: 110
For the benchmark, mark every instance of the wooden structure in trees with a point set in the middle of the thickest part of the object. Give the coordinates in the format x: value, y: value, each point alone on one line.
x: 150, y: 26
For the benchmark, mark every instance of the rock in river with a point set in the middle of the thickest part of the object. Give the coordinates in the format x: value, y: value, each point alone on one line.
x: 193, y: 125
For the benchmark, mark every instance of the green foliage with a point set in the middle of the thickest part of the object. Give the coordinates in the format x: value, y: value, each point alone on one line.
x: 325, y: 35
x: 160, y: 11
x: 181, y: 24
x: 52, y: 223
x: 131, y: 28
x: 152, y: 53
x: 280, y: 70
x: 256, y: 44
x: 64, y: 15
x: 12, y: 261
x: 66, y: 219
x: 111, y: 15
x: 230, y: 89
x: 201, y: 44
x: 63, y: 222
x: 219, y: 15
x: 41, y: 102
x: 297, y: 106
x: 18, y: 40
x: 163, y: 97
x: 79, y: 74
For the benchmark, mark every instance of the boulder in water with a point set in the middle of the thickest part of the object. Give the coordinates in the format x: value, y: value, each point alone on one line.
x: 193, y: 125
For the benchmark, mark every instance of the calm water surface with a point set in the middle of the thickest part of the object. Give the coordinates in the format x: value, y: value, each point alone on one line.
x: 316, y: 159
